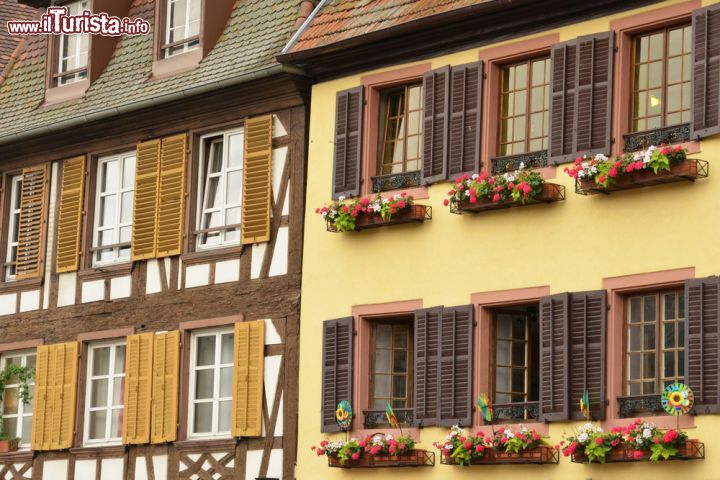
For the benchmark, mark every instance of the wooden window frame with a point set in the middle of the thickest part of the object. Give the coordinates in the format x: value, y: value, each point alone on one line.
x: 9, y: 223
x: 165, y: 44
x: 21, y: 407
x: 392, y: 320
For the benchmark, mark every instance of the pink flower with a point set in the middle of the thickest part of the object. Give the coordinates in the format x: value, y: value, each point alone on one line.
x: 535, y: 436
x: 401, y: 204
x: 578, y: 160
x: 630, y: 167
x: 451, y: 192
x: 656, y: 440
x: 479, y: 448
x: 638, y: 454
x: 324, y: 443
x: 362, y: 443
x: 599, y: 440
x: 473, y: 199
x: 615, y: 442
x: 345, y: 209
x: 355, y: 456
x: 678, y: 148
x: 496, y: 197
x: 511, y: 186
x: 446, y: 202
x: 403, y: 194
x: 613, y: 172
x: 320, y: 452
x: 458, y: 180
x: 527, y: 189
x: 667, y: 438
x: 601, y: 178
x: 392, y: 449
x: 461, y: 187
x: 467, y: 445
x: 482, y: 176
x: 665, y: 150
x: 491, y: 181
x: 401, y: 446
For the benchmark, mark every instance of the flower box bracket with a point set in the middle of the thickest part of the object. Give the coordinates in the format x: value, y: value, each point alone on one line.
x: 687, y: 170
x: 542, y: 455
x: 414, y: 214
x: 416, y: 458
x: 551, y: 193
x: 690, y: 450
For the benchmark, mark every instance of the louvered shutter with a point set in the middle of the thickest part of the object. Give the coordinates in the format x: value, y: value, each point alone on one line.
x: 70, y: 215
x: 702, y: 342
x: 171, y: 195
x: 455, y: 366
x: 257, y: 179
x: 337, y: 369
x: 165, y: 387
x: 248, y: 379
x: 427, y: 352
x: 436, y: 104
x: 562, y: 101
x: 145, y: 208
x: 554, y: 356
x: 593, y: 93
x: 465, y: 110
x: 33, y: 202
x: 138, y: 388
x: 706, y: 71
x: 588, y: 326
x: 55, y: 396
x: 347, y: 157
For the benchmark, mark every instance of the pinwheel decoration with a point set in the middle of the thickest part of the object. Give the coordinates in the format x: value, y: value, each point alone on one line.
x: 677, y: 399
x: 390, y: 414
x: 344, y: 415
x: 585, y: 405
x: 485, y: 407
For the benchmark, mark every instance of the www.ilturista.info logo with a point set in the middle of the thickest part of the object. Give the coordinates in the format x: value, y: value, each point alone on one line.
x: 57, y: 22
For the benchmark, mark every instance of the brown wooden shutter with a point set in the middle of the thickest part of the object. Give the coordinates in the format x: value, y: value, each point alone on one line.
x: 593, y: 93
x: 166, y: 376
x: 144, y: 230
x: 465, y: 114
x: 436, y: 104
x: 702, y: 342
x: 427, y: 353
x: 455, y: 366
x: 706, y: 71
x: 562, y: 101
x: 257, y: 180
x: 70, y: 215
x: 171, y: 195
x: 248, y: 379
x: 347, y: 158
x: 138, y: 388
x: 33, y: 204
x: 554, y: 366
x: 588, y: 326
x: 337, y: 369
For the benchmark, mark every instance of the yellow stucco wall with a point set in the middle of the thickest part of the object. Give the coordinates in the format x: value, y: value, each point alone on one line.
x: 569, y: 245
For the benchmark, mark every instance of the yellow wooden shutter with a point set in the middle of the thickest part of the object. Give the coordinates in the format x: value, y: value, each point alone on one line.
x: 171, y: 197
x: 33, y: 201
x: 55, y: 396
x: 146, y: 192
x: 70, y: 215
x: 166, y: 373
x: 257, y: 180
x: 138, y: 388
x: 248, y: 379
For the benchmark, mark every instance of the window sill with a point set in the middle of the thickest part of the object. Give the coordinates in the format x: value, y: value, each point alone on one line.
x: 206, y: 443
x: 18, y: 456
x: 97, y: 451
x: 20, y: 285
x: 184, y: 62
x: 213, y: 254
x: 108, y: 271
x: 65, y: 93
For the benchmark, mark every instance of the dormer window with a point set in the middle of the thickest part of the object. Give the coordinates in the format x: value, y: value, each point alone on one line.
x: 183, y: 27
x: 73, y: 52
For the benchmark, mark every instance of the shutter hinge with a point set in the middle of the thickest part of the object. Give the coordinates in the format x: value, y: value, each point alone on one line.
x: 484, y: 75
x: 615, y: 49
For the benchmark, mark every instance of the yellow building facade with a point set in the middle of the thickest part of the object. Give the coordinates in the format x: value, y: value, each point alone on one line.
x: 639, y: 248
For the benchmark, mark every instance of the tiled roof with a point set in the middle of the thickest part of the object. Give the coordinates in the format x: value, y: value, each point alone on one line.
x: 254, y: 34
x: 11, y: 10
x: 344, y: 19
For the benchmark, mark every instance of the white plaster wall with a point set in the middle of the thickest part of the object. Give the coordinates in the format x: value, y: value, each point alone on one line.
x: 67, y: 283
x: 50, y: 244
x: 120, y: 287
x: 252, y: 464
x: 112, y: 469
x: 30, y: 300
x: 258, y: 253
x: 272, y: 337
x: 84, y: 469
x: 279, y: 156
x: 286, y: 203
x: 93, y: 291
x: 152, y: 283
x: 278, y: 128
x: 8, y: 304
x: 197, y: 275
x: 275, y: 466
x: 271, y: 371
x: 279, y: 264
x: 227, y: 271
x: 56, y: 470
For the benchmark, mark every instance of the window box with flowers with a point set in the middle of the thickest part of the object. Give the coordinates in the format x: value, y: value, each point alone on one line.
x: 525, y: 446
x: 654, y: 166
x: 481, y: 192
x: 347, y: 215
x: 638, y: 441
x: 375, y: 451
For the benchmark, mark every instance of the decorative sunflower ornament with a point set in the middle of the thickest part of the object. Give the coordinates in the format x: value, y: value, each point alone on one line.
x: 343, y: 415
x: 677, y: 399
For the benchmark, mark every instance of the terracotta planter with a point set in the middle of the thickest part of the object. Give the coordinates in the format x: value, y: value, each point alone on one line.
x: 539, y: 456
x: 413, y: 214
x: 687, y: 170
x: 9, y: 445
x: 416, y: 458
x: 616, y: 454
x: 690, y: 450
x: 551, y: 193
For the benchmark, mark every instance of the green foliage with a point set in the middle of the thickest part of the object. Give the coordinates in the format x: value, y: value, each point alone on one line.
x: 343, y: 213
x: 662, y: 450
x: 346, y: 452
x: 596, y: 452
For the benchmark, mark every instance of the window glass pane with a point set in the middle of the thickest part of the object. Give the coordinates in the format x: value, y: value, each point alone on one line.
x: 400, y: 336
x: 234, y: 187
x: 226, y: 381
x: 9, y: 427
x: 120, y: 359
x: 675, y: 42
x: 399, y: 386
x: 11, y: 401
x: 202, y: 422
x: 656, y: 46
x: 382, y: 361
x: 681, y: 333
x: 502, y: 379
x: 116, y: 423
x: 107, y: 210
x: 31, y: 403
x: 226, y: 348
x: 669, y: 364
x: 97, y: 424
x: 649, y: 310
x: 194, y: 8
x: 215, y: 156
x: 649, y: 365
x: 518, y: 380
x: 118, y: 385
x: 205, y: 350
x: 383, y: 338
x: 649, y: 337
x: 178, y: 13
x: 126, y: 207
x: 26, y: 430
x: 232, y: 216
x: 669, y: 306
x: 212, y: 194
x: 635, y: 366
x: 101, y: 361
x: 382, y: 386
x: 225, y: 416
x: 502, y: 353
x: 235, y: 152
x: 400, y: 361
x: 669, y: 336
x: 681, y: 366
x: 99, y: 392
x: 204, y: 384
x: 414, y: 100
x: 128, y: 173
x: 109, y: 177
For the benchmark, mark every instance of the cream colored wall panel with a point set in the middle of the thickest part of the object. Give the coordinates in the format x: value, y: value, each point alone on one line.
x: 258, y: 253
x: 278, y: 128
x: 197, y: 275
x: 56, y: 470
x: 112, y: 469
x: 93, y: 291
x: 272, y: 337
x: 279, y: 264
x: 84, y: 469
x: 50, y: 244
x: 279, y: 156
x: 227, y: 271
x: 152, y: 282
x: 30, y: 300
x: 252, y: 464
x: 120, y: 287
x: 8, y: 304
x: 67, y: 284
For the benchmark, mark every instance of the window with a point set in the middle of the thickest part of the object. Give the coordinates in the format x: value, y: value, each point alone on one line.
x: 13, y: 227
x: 17, y: 417
x: 401, y: 138
x: 390, y: 372
x: 661, y: 84
x: 105, y: 390
x: 114, y: 208
x: 524, y: 106
x: 655, y: 341
x: 182, y: 27
x: 220, y: 193
x: 516, y: 337
x: 73, y: 51
x: 211, y: 382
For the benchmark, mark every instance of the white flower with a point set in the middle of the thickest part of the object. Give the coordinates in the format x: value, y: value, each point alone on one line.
x: 646, y: 433
x: 467, y: 193
x: 475, y: 176
x: 588, y: 427
x: 583, y: 437
x: 510, y: 178
x: 593, y: 169
x: 508, y: 432
x: 448, y: 447
x: 385, y: 201
x: 376, y: 207
x: 324, y: 214
x: 601, y: 158
x: 342, y: 198
x: 581, y: 173
x: 396, y: 197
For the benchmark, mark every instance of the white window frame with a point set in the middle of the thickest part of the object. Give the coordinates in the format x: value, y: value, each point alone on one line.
x: 117, y: 225
x: 216, y: 399
x: 74, y: 8
x: 186, y: 47
x: 109, y: 407
x: 21, y: 414
x: 203, y: 181
x: 13, y: 221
